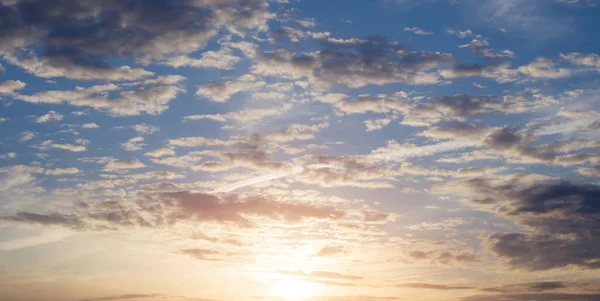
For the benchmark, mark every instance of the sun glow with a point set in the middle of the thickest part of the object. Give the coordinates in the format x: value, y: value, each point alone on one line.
x: 292, y: 289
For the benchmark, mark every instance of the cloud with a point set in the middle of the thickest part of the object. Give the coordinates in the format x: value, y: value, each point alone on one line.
x: 14, y: 179
x: 564, y: 216
x: 161, y: 152
x: 434, y: 286
x: 221, y: 59
x: 196, y: 141
x: 355, y: 63
x: 418, y: 31
x: 90, y: 126
x: 161, y: 31
x: 461, y: 34
x: 222, y: 91
x: 69, y: 147
x: 441, y: 257
x: 533, y: 297
x: 50, y: 116
x: 133, y: 144
x: 117, y: 164
x: 62, y: 171
x: 376, y: 124
x: 146, y: 129
x: 591, y: 60
x: 11, y: 86
x: 149, y: 99
x: 27, y: 136
x: 123, y: 297
x: 327, y: 251
x: 153, y: 210
x: 530, y: 287
x: 203, y: 254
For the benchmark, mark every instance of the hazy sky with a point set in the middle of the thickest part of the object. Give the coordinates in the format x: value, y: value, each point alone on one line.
x: 299, y: 150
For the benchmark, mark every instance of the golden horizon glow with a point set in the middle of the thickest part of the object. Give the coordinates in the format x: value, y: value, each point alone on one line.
x: 292, y: 289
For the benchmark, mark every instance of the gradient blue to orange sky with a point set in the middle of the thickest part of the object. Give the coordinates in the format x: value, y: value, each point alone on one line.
x: 299, y: 150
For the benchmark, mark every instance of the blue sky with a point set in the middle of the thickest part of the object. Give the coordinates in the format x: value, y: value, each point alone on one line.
x: 299, y: 150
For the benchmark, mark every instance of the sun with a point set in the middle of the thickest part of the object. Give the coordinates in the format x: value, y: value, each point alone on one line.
x: 291, y: 289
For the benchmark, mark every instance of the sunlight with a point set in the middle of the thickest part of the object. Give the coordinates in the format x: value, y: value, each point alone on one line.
x: 292, y: 289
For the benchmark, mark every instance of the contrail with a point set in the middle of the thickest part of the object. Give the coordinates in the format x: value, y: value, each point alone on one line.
x: 268, y: 177
x: 399, y: 155
x: 250, y: 182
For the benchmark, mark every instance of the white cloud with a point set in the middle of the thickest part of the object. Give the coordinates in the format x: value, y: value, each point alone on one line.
x: 10, y: 86
x: 27, y: 135
x: 133, y: 144
x: 418, y: 31
x: 221, y: 59
x: 62, y: 171
x: 90, y: 126
x: 146, y: 129
x: 160, y: 152
x: 69, y: 147
x: 50, y: 116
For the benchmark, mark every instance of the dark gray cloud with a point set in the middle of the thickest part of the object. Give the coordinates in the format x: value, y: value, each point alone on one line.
x: 534, y: 297
x: 76, y: 38
x: 123, y: 297
x: 442, y: 257
x: 563, y: 219
x: 435, y: 286
x: 530, y: 287
x: 355, y: 63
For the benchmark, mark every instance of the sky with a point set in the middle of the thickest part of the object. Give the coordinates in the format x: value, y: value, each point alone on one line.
x: 299, y: 150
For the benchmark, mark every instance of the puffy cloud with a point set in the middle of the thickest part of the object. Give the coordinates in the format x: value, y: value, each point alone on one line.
x: 222, y: 91
x: 146, y: 129
x: 441, y: 257
x: 50, y: 116
x: 221, y: 59
x: 355, y: 63
x: 563, y: 215
x: 10, y: 155
x: 461, y: 34
x: 92, y: 125
x: 69, y: 147
x: 116, y: 164
x: 418, y: 31
x: 196, y: 141
x: 164, y: 209
x: 376, y: 124
x: 160, y: 30
x: 160, y: 152
x: 11, y: 86
x: 591, y: 60
x: 64, y: 66
x: 246, y: 115
x: 148, y: 99
x: 156, y: 175
x: 27, y: 135
x: 133, y: 144
x: 62, y: 171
